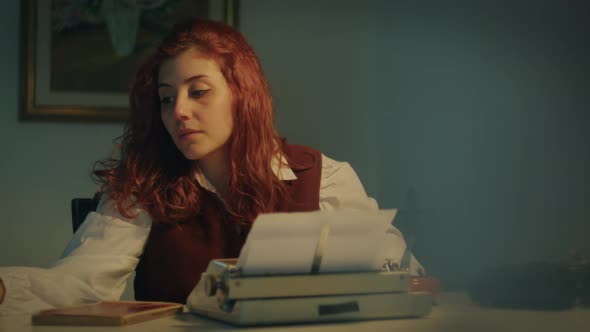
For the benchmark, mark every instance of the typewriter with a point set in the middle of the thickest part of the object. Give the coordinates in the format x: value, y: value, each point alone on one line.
x: 224, y: 293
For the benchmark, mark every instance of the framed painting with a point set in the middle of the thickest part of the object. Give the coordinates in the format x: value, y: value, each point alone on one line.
x: 79, y: 56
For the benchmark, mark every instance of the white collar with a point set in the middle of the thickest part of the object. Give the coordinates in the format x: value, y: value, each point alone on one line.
x: 281, y: 170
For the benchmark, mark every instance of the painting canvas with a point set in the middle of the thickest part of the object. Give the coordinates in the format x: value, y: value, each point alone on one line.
x: 80, y: 56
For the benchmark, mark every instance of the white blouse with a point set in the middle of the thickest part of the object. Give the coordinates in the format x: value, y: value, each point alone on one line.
x: 105, y: 250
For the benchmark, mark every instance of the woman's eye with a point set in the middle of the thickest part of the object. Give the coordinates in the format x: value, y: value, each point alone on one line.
x: 198, y: 93
x: 165, y: 100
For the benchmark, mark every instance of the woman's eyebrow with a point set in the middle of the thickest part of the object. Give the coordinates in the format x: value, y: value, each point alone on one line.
x: 188, y: 80
x: 194, y: 78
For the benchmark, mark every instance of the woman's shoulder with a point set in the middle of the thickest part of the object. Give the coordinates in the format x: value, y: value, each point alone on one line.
x: 342, y: 170
x: 341, y: 187
x: 301, y: 157
x: 109, y: 207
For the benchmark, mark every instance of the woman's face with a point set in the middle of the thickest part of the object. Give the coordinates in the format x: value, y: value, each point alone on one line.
x: 196, y: 104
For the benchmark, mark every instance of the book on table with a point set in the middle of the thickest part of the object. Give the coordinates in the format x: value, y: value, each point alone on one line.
x: 106, y: 313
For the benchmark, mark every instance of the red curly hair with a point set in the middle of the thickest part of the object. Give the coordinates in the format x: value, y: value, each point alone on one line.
x: 152, y: 173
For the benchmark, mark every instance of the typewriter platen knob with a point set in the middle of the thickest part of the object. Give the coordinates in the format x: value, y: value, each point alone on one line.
x: 210, y: 285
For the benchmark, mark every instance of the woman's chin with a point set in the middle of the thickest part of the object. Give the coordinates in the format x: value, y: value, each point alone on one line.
x: 202, y: 152
x: 193, y: 155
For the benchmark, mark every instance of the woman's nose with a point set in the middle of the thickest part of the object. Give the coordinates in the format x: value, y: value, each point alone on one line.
x: 181, y: 109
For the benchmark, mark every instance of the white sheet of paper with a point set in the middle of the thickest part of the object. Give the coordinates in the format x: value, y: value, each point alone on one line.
x: 278, y: 244
x: 285, y: 243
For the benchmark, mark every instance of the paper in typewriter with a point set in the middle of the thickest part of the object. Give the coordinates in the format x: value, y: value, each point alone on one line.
x: 288, y: 243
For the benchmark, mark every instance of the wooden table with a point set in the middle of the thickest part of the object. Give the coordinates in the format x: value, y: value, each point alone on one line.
x: 454, y: 313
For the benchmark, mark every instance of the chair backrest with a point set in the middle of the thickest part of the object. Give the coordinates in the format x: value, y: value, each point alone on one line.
x: 80, y: 209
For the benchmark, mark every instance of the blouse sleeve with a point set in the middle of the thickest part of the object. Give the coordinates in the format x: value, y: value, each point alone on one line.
x: 94, y: 266
x: 340, y: 188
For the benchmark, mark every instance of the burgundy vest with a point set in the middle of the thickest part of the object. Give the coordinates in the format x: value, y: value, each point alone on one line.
x: 176, y: 255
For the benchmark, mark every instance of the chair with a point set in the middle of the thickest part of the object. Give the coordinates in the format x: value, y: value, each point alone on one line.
x: 80, y: 209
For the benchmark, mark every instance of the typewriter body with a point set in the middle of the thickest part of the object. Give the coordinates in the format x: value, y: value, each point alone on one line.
x: 223, y: 293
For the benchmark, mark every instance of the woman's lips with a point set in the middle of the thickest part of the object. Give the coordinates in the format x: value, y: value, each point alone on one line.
x: 186, y: 133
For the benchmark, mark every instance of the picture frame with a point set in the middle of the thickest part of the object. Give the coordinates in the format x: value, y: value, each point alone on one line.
x: 78, y: 57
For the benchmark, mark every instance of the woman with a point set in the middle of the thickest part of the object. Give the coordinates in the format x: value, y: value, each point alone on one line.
x: 200, y: 159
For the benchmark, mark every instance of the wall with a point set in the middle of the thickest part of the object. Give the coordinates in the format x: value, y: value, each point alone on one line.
x: 319, y: 60
x: 483, y: 114
x: 471, y: 115
x: 43, y: 166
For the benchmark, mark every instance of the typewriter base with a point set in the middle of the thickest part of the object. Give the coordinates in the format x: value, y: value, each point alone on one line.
x: 319, y: 309
x: 285, y: 299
